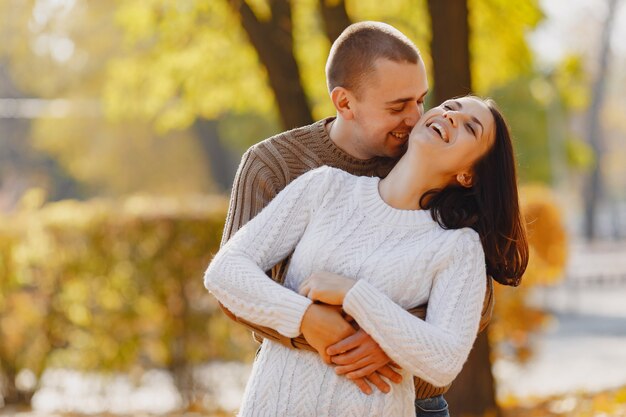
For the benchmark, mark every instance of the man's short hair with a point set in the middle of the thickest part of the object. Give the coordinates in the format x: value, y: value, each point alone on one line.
x: 353, y: 55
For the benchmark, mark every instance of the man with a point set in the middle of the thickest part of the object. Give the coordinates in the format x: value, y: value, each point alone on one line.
x: 377, y: 83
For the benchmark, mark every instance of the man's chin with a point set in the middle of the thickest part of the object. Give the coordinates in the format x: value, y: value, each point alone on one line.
x: 396, y: 147
x: 398, y: 150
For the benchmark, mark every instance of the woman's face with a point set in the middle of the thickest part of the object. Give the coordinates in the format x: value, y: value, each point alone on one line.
x: 450, y: 138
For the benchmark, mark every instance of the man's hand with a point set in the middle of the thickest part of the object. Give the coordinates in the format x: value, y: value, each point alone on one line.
x: 358, y: 356
x: 326, y: 287
x: 323, y: 326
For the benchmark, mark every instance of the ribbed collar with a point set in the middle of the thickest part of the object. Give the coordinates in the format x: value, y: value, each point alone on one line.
x: 341, y: 158
x: 374, y: 206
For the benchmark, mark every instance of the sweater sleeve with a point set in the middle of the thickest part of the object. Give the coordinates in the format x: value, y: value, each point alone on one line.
x: 434, y: 349
x: 236, y: 275
x: 254, y: 186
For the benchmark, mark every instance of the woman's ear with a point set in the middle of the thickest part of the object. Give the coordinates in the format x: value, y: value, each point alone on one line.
x: 341, y: 98
x: 465, y: 179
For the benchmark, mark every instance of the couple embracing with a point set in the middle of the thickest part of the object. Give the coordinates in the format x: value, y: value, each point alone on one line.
x: 383, y: 228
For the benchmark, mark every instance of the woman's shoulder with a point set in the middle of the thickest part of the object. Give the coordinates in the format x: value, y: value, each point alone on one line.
x: 465, y: 239
x: 463, y: 235
x: 328, y: 173
x: 322, y: 182
x: 466, y: 234
x: 455, y: 245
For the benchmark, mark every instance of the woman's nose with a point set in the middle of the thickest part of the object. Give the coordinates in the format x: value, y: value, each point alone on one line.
x: 451, y: 115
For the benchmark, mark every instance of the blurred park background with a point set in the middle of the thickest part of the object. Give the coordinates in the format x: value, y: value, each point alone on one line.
x: 122, y: 124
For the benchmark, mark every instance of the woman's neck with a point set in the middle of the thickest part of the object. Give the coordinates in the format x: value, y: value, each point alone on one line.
x: 405, y: 185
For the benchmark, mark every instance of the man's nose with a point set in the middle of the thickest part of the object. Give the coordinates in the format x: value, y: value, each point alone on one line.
x: 414, y: 112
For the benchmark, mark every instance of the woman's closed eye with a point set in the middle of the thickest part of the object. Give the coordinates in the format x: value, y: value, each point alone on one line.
x: 470, y: 129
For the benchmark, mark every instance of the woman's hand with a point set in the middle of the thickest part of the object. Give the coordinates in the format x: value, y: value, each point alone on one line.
x: 326, y: 287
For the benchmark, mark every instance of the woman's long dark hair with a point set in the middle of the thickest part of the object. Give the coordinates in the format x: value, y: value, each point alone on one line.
x: 490, y: 207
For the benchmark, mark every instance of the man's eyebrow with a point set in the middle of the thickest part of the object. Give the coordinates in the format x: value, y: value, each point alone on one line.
x: 405, y: 99
x: 474, y: 118
x: 400, y: 100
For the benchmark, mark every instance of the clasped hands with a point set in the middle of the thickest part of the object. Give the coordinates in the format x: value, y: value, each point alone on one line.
x: 334, y: 336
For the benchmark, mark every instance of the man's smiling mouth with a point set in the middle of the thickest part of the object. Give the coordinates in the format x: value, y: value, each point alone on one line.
x: 400, y: 135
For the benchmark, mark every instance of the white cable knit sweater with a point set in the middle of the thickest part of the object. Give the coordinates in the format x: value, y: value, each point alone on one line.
x: 400, y: 258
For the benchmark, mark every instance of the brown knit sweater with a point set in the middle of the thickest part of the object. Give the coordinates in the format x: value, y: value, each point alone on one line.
x: 267, y: 167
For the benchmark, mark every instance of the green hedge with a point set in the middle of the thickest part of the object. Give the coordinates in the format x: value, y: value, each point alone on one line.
x: 104, y: 285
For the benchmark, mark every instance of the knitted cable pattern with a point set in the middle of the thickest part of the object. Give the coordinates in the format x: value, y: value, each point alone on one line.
x: 337, y: 222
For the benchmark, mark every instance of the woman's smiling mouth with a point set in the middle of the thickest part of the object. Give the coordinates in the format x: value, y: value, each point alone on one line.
x: 439, y: 130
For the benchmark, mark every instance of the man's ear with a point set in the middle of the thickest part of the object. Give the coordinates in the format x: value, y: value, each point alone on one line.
x: 342, y: 98
x: 466, y: 179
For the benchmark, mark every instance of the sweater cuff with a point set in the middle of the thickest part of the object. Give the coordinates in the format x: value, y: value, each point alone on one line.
x: 290, y: 313
x: 361, y: 298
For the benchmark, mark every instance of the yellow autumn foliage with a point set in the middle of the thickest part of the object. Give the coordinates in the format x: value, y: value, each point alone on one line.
x: 514, y: 319
x: 546, y: 236
x: 113, y: 285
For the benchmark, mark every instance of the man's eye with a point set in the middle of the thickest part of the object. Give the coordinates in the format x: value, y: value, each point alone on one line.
x: 397, y: 109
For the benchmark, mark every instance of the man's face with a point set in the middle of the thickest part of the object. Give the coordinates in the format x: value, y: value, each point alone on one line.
x: 390, y: 102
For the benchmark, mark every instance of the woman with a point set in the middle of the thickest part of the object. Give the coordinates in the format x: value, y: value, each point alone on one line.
x: 385, y: 246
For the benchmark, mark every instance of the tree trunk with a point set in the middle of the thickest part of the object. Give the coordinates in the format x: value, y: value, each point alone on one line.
x: 273, y: 41
x: 222, y: 162
x: 12, y: 396
x: 594, y: 186
x: 335, y: 18
x: 450, y: 49
x: 473, y: 392
x: 180, y: 367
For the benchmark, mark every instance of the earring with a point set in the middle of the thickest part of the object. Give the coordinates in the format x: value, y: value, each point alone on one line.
x: 465, y: 180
